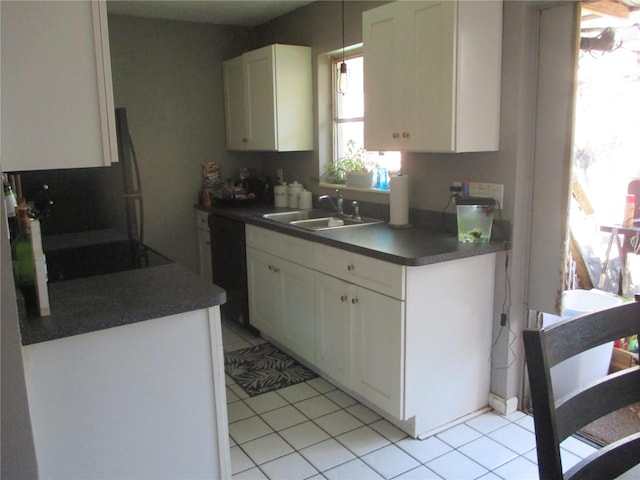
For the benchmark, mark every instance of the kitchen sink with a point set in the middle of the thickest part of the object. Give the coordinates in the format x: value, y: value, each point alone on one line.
x: 288, y: 217
x: 330, y: 223
x: 318, y: 220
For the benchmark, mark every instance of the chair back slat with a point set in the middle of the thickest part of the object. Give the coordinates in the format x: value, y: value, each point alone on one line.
x: 556, y: 420
x: 575, y: 335
x: 603, y: 397
x: 609, y: 462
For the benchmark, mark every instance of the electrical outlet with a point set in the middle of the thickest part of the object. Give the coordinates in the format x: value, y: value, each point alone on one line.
x: 479, y: 189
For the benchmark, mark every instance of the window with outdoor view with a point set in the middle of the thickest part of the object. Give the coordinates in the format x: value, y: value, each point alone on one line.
x: 349, y: 154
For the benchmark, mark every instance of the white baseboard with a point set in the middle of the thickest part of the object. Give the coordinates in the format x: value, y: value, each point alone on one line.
x: 504, y: 406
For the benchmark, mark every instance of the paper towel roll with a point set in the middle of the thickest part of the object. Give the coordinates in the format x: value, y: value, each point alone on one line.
x: 399, y: 200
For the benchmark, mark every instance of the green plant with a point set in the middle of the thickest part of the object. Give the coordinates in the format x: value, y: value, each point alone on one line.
x: 354, y: 160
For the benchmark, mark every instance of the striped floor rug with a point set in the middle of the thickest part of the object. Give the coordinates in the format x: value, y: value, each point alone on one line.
x: 263, y: 368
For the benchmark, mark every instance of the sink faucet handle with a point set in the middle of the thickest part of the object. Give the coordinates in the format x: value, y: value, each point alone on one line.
x: 356, y: 211
x: 340, y: 202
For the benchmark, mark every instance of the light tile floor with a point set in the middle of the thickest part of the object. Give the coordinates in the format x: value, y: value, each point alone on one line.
x: 313, y: 430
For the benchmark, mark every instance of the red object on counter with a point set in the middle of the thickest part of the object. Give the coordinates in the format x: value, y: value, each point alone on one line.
x: 629, y: 211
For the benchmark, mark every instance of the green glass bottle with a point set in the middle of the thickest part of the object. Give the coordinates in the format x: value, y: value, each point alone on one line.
x: 22, y: 256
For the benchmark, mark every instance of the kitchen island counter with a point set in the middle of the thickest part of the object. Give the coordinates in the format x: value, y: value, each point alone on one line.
x: 105, y: 301
x: 129, y: 370
x: 413, y: 246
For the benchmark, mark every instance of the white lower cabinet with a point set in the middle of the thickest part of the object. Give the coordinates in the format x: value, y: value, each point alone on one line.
x: 265, y: 302
x: 281, y: 301
x: 359, y: 341
x: 383, y: 332
x: 333, y: 327
x: 378, y: 349
x: 144, y: 400
x: 296, y: 327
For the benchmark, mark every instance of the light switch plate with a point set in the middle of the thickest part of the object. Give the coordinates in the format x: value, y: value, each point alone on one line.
x: 479, y: 189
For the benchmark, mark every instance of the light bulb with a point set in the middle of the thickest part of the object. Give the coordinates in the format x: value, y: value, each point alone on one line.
x: 342, y: 79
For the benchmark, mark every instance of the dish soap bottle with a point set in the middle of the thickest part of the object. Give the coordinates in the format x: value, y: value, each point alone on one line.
x: 22, y: 256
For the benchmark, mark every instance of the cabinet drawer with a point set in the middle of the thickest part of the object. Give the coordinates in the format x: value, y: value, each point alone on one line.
x: 202, y: 220
x: 377, y: 275
x: 281, y: 245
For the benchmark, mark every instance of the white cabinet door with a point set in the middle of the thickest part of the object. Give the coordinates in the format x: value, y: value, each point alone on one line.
x: 260, y: 107
x: 265, y: 291
x: 333, y: 327
x: 57, y: 97
x: 281, y: 301
x: 429, y: 80
x: 233, y: 73
x: 432, y: 73
x: 268, y: 99
x: 378, y: 349
x: 383, y: 77
x: 296, y: 329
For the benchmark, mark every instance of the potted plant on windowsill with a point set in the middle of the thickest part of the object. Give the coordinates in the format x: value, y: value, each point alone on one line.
x: 352, y: 169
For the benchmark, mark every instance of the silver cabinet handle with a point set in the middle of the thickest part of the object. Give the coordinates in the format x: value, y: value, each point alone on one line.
x: 343, y: 298
x: 354, y: 300
x: 351, y: 267
x: 405, y: 134
x: 395, y: 135
x: 245, y: 140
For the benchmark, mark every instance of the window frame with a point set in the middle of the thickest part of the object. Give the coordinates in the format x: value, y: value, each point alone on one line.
x: 336, y: 120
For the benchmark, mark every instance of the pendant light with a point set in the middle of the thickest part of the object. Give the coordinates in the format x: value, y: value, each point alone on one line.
x: 341, y: 84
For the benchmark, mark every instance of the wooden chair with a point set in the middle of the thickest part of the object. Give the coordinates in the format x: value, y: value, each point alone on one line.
x: 557, y: 419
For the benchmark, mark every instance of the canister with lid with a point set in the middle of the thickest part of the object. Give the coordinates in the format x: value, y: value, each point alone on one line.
x: 293, y: 189
x: 280, y: 195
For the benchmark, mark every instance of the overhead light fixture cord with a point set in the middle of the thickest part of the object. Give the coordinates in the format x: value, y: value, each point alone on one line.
x: 341, y: 84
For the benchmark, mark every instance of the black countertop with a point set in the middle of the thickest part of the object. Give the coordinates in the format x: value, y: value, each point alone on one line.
x: 412, y: 246
x: 106, y: 301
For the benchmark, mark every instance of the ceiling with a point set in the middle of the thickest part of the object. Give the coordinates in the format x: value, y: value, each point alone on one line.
x: 249, y: 13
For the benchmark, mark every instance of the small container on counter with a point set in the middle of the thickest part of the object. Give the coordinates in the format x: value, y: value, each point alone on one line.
x: 305, y: 200
x: 293, y: 189
x: 280, y: 195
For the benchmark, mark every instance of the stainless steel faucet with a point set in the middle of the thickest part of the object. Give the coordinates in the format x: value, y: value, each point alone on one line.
x: 340, y: 200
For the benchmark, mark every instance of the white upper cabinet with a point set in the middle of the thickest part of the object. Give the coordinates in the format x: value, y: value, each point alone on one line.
x: 432, y: 74
x: 268, y: 99
x: 57, y: 96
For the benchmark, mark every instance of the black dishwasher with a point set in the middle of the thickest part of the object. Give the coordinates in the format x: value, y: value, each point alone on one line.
x: 229, y: 263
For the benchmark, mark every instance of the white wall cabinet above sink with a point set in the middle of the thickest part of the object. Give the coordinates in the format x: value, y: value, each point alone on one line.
x: 268, y: 99
x: 432, y: 73
x: 57, y: 97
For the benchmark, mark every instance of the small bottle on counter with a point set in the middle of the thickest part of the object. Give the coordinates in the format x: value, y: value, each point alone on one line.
x: 10, y: 204
x: 22, y: 257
